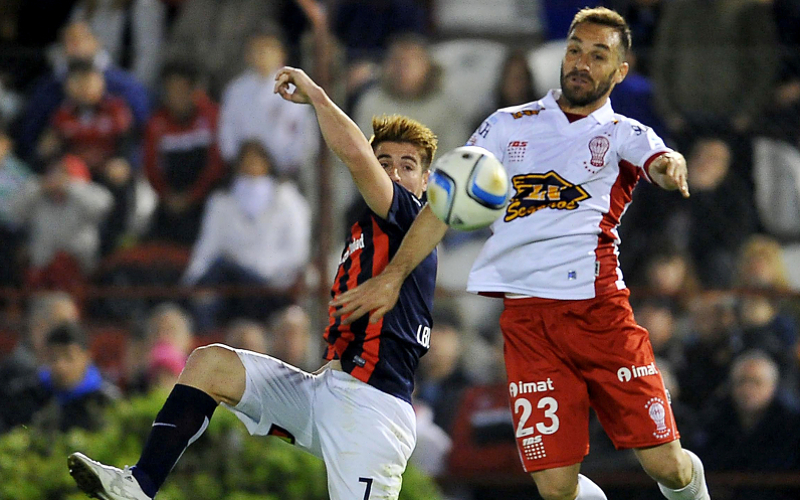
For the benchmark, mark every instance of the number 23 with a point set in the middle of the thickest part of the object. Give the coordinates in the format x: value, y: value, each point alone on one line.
x: 549, y: 413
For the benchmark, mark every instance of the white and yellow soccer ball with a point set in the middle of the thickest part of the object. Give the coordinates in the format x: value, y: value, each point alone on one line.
x: 468, y: 188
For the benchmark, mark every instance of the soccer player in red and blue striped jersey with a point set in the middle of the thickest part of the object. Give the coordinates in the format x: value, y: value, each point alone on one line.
x: 355, y: 412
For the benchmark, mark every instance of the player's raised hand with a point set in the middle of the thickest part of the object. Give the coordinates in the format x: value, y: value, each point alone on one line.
x: 669, y: 171
x: 377, y: 295
x: 304, y: 86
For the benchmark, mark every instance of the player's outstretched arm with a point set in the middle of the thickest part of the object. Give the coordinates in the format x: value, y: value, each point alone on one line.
x: 669, y: 171
x: 343, y: 136
x: 379, y: 294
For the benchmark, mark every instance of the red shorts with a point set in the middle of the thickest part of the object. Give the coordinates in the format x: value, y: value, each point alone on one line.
x: 563, y: 357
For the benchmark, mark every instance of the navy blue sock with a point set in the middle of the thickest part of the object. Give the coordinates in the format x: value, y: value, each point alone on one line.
x: 182, y: 419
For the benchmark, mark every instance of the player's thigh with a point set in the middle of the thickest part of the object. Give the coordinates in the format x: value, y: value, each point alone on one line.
x: 366, y: 437
x: 626, y: 388
x: 277, y: 399
x: 549, y: 400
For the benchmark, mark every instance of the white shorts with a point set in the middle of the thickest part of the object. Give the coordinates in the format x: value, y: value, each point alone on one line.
x: 364, y: 435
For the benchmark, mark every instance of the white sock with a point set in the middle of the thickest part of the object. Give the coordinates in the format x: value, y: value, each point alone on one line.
x: 587, y: 490
x: 696, y: 489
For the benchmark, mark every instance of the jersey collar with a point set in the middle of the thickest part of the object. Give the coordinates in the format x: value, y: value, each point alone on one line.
x: 602, y: 115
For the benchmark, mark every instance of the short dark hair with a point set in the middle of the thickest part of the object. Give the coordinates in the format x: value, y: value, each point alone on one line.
x: 605, y: 17
x: 181, y: 69
x: 68, y: 334
x: 81, y: 67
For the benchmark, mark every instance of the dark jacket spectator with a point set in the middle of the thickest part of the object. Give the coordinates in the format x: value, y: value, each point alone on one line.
x: 48, y: 93
x: 714, y: 61
x: 366, y: 27
x: 77, y: 390
x: 752, y: 429
x: 181, y: 157
x: 721, y: 211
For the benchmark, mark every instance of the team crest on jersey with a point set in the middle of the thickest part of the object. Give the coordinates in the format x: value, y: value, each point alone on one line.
x: 515, y: 152
x: 658, y: 414
x: 537, y: 191
x: 598, y: 147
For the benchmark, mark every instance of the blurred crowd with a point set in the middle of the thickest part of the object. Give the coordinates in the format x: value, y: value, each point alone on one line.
x: 141, y: 144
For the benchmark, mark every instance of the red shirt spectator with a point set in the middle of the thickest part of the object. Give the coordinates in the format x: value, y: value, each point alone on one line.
x: 181, y: 157
x: 94, y: 134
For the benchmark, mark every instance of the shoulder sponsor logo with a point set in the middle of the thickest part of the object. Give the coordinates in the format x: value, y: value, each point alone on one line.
x: 424, y: 336
x: 484, y: 129
x: 535, y: 192
x: 625, y: 374
x: 525, y: 112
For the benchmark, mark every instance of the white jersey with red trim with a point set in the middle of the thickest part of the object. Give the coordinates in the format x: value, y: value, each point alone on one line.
x: 571, y: 183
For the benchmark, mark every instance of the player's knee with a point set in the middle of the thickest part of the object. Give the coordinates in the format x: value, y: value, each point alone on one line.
x: 557, y: 490
x: 215, y: 369
x: 672, y: 468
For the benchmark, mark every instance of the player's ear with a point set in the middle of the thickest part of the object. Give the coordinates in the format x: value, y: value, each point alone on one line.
x: 622, y: 72
x: 425, y: 175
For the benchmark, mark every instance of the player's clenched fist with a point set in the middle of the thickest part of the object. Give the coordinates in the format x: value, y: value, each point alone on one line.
x: 305, y: 90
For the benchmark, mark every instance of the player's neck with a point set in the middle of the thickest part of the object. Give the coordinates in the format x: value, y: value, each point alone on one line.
x: 568, y: 107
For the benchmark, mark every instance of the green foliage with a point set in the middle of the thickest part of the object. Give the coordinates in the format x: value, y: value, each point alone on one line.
x: 225, y: 464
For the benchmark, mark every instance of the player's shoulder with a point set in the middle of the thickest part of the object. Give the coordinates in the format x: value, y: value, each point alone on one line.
x: 627, y: 125
x: 519, y: 111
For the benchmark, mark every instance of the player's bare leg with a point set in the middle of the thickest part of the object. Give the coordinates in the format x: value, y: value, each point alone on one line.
x: 213, y: 374
x: 216, y: 370
x: 565, y: 483
x: 679, y: 472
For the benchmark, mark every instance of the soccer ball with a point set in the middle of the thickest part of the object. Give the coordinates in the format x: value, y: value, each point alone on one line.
x: 468, y: 188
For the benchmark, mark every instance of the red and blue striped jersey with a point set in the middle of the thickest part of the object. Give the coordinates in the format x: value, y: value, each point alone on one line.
x: 384, y: 354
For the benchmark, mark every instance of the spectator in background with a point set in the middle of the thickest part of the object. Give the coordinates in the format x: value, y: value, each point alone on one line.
x: 132, y: 31
x: 96, y: 127
x: 411, y: 85
x: 252, y: 111
x: 14, y: 174
x: 515, y: 85
x: 156, y: 360
x: 709, y: 77
x: 77, y: 43
x: 365, y: 27
x: 248, y: 335
x: 658, y: 318
x: 20, y: 390
x: 211, y: 34
x: 782, y: 118
x: 62, y: 214
x: 709, y: 349
x: 291, y: 338
x: 721, y: 211
x: 256, y: 233
x: 642, y: 17
x: 752, y: 430
x: 181, y: 158
x: 77, y: 391
x: 765, y: 326
x: 442, y: 377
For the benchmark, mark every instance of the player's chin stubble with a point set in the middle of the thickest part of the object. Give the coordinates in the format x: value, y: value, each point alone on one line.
x: 577, y: 98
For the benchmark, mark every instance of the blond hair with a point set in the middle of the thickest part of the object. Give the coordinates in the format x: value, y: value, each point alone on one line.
x: 768, y: 250
x: 605, y: 17
x: 397, y: 128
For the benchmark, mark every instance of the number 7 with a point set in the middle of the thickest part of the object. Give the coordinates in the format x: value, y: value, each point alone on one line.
x: 367, y: 480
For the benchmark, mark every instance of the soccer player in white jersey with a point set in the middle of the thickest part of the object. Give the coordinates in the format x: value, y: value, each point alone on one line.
x: 570, y: 338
